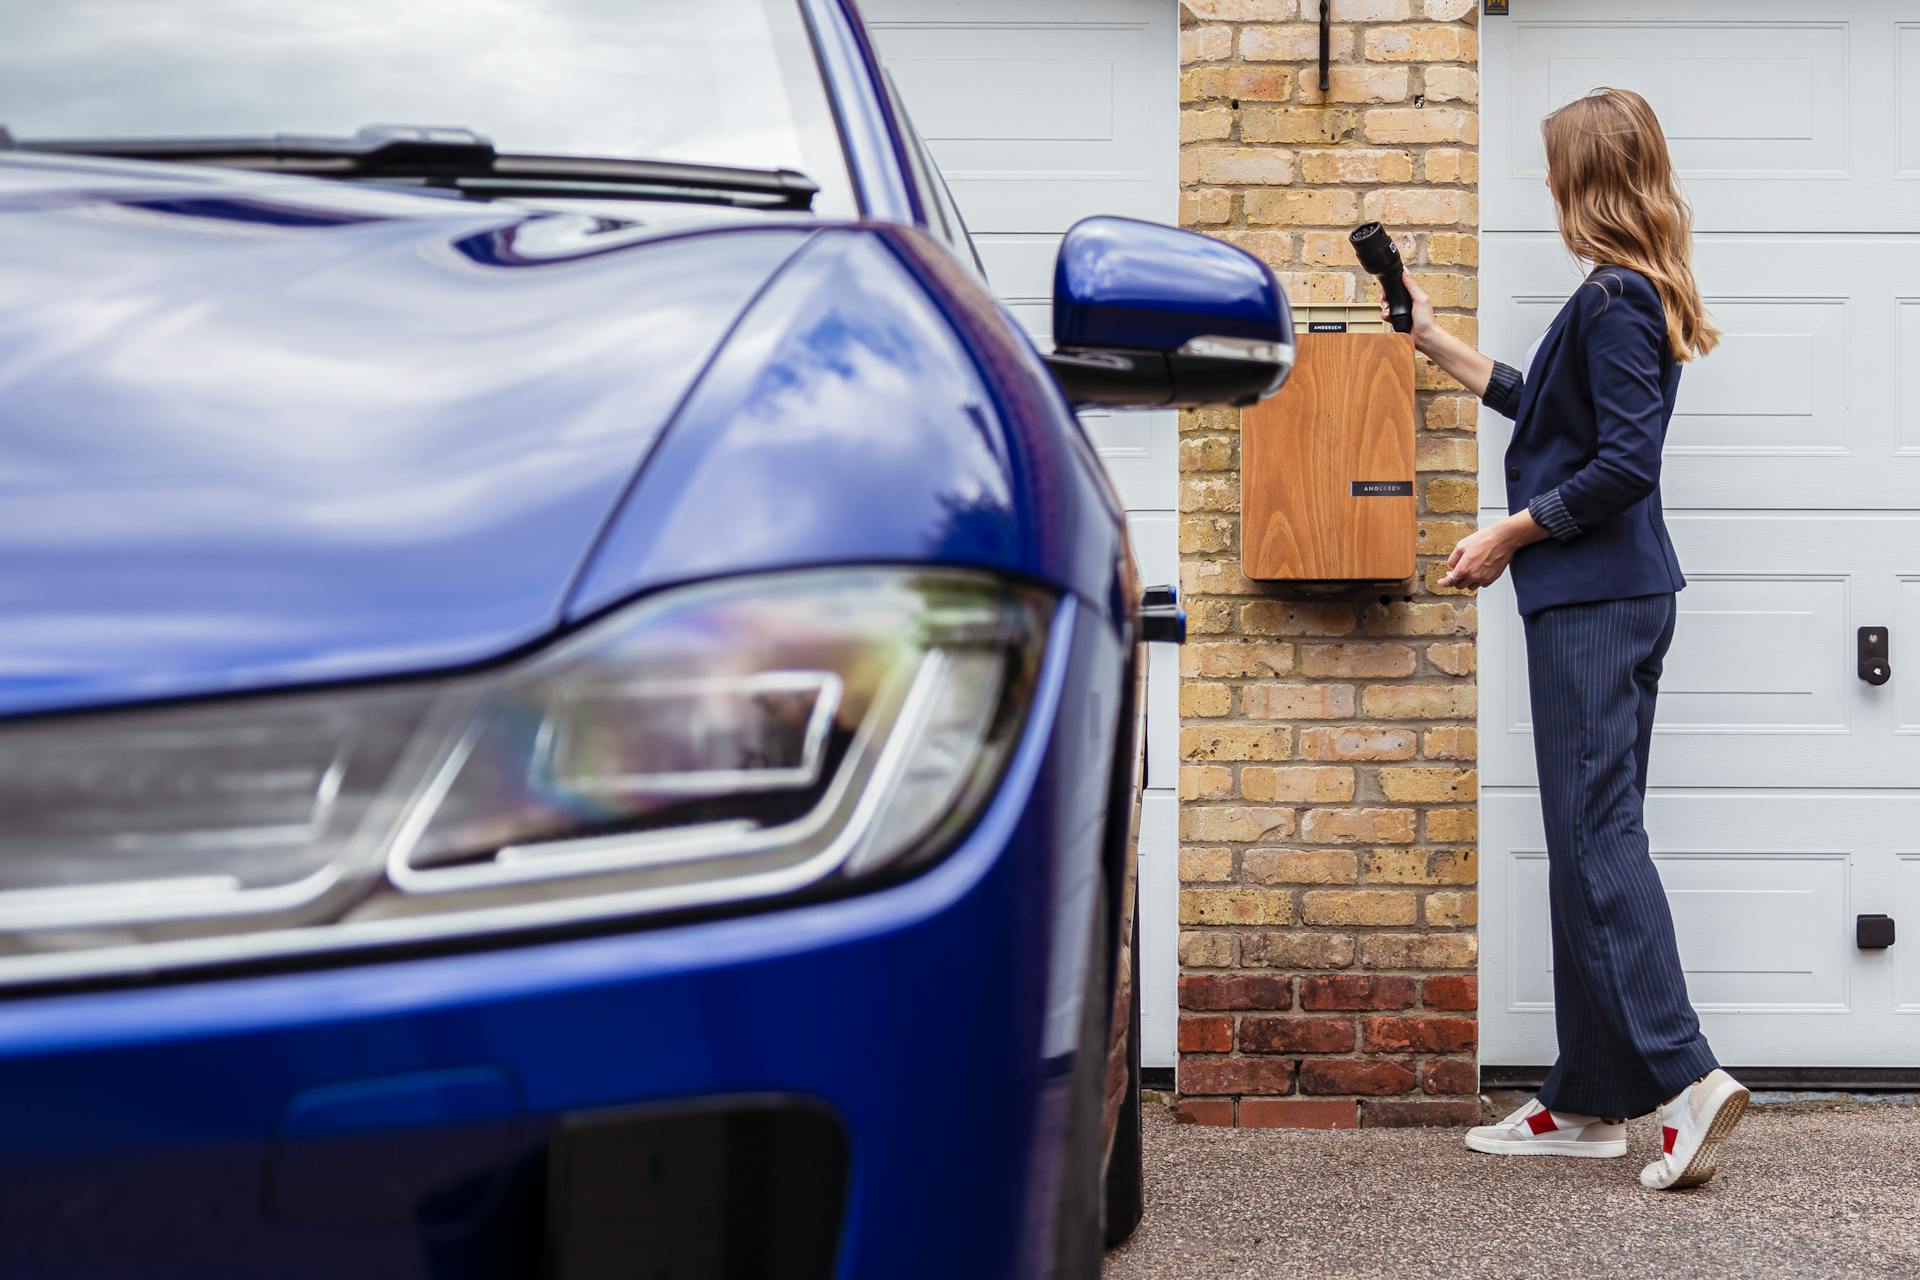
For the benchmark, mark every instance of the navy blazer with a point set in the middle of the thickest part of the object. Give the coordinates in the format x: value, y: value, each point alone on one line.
x: 1590, y: 418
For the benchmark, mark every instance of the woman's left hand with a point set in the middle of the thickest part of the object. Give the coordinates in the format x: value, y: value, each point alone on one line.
x: 1479, y: 559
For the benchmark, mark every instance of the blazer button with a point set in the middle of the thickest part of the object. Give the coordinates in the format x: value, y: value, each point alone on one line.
x: 1513, y: 473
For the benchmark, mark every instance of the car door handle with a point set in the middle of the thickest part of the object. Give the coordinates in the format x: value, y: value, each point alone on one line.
x: 1874, y: 667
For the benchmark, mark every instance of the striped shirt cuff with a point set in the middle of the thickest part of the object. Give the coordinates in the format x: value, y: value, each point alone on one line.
x: 1551, y: 512
x: 1503, y: 390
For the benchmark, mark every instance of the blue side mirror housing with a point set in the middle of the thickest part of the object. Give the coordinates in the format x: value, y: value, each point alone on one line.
x: 1152, y: 316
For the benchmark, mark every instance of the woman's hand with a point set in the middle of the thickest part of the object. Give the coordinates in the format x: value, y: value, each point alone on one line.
x: 1482, y: 556
x: 1424, y: 325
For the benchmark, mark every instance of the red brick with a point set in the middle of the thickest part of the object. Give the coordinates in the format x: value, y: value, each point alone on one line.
x: 1296, y: 1035
x: 1240, y: 1075
x: 1235, y: 991
x: 1353, y: 1075
x: 1298, y: 1113
x: 1453, y: 991
x: 1376, y: 1113
x: 1206, y: 1035
x: 1421, y: 1035
x: 1347, y: 992
x: 1203, y: 1111
x: 1450, y: 1075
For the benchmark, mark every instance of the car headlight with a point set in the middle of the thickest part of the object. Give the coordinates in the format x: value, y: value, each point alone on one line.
x: 740, y: 740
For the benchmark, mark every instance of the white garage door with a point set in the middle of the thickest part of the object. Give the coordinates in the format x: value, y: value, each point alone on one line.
x: 1040, y: 113
x: 1786, y: 790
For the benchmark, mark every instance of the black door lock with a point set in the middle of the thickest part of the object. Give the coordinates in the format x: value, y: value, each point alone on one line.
x: 1874, y: 667
x: 1872, y: 933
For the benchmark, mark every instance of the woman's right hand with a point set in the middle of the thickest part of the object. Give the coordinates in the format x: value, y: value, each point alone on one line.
x: 1424, y: 325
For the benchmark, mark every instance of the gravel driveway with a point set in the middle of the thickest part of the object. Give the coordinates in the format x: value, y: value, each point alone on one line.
x: 1803, y: 1191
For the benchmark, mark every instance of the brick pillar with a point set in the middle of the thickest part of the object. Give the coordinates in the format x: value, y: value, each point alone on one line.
x: 1327, y: 826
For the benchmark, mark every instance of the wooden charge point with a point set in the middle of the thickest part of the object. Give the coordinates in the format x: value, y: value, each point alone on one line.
x: 1326, y: 466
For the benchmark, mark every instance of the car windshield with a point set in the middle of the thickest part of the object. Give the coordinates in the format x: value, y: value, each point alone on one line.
x: 731, y: 82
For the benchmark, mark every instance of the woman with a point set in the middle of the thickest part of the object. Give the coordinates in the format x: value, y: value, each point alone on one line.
x: 1596, y: 577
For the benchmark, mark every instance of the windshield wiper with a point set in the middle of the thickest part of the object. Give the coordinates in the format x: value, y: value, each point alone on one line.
x: 456, y: 158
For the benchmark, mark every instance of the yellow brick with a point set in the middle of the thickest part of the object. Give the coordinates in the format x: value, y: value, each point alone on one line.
x: 1433, y: 575
x: 1206, y: 207
x: 1297, y: 43
x: 1438, y: 10
x: 1448, y: 493
x: 1428, y: 785
x: 1237, y: 658
x: 1449, y: 288
x: 1205, y: 44
x: 1450, y: 164
x: 1442, y: 454
x: 1451, y: 413
x: 1271, y: 247
x: 1309, y: 288
x: 1451, y: 742
x: 1326, y: 249
x: 1205, y: 950
x: 1364, y: 742
x: 1201, y: 534
x: 1286, y: 618
x: 1363, y: 660
x: 1203, y: 865
x: 1424, y: 618
x: 1356, y: 165
x: 1357, y: 826
x: 1453, y: 248
x: 1419, y: 701
x: 1294, y: 949
x: 1451, y: 84
x: 1209, y: 421
x: 1360, y: 84
x: 1237, y: 82
x: 1231, y: 166
x: 1452, y: 826
x: 1235, y: 906
x: 1209, y: 493
x: 1215, y: 578
x: 1371, y: 10
x: 1206, y: 782
x: 1421, y: 206
x: 1235, y: 824
x: 1299, y: 866
x: 1209, y: 453
x: 1297, y: 784
x: 1296, y: 124
x: 1465, y: 328
x: 1421, y: 866
x: 1235, y: 742
x: 1268, y: 701
x: 1205, y: 699
x: 1453, y: 908
x: 1244, y: 10
x: 1210, y: 617
x: 1296, y: 208
x: 1358, y: 906
x: 1202, y: 124
x: 1422, y: 124
x: 1422, y: 44
x: 1419, y: 951
x: 1438, y: 538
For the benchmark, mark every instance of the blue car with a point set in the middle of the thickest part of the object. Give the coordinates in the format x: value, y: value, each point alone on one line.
x: 569, y: 681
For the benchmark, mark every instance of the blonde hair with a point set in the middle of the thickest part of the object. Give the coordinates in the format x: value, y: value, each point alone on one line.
x: 1618, y: 204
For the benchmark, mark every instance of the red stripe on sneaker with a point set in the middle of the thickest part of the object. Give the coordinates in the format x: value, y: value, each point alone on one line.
x: 1541, y: 1122
x: 1667, y: 1134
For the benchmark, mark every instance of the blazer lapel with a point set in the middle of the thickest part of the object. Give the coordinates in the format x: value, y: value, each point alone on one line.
x: 1537, y: 367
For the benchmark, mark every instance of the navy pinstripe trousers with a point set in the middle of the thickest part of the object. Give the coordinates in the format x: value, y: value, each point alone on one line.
x: 1629, y: 1039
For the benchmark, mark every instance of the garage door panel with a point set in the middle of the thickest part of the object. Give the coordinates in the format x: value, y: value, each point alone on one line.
x: 1906, y: 909
x: 1760, y: 931
x: 1812, y: 399
x: 1778, y: 113
x: 1764, y: 887
x: 1761, y: 687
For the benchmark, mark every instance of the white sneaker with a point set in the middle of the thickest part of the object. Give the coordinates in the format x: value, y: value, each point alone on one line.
x: 1535, y: 1131
x: 1692, y: 1127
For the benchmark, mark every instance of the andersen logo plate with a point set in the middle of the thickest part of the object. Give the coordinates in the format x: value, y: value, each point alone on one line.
x: 1383, y: 488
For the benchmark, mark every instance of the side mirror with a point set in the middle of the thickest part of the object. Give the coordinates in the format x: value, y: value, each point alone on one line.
x: 1146, y: 316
